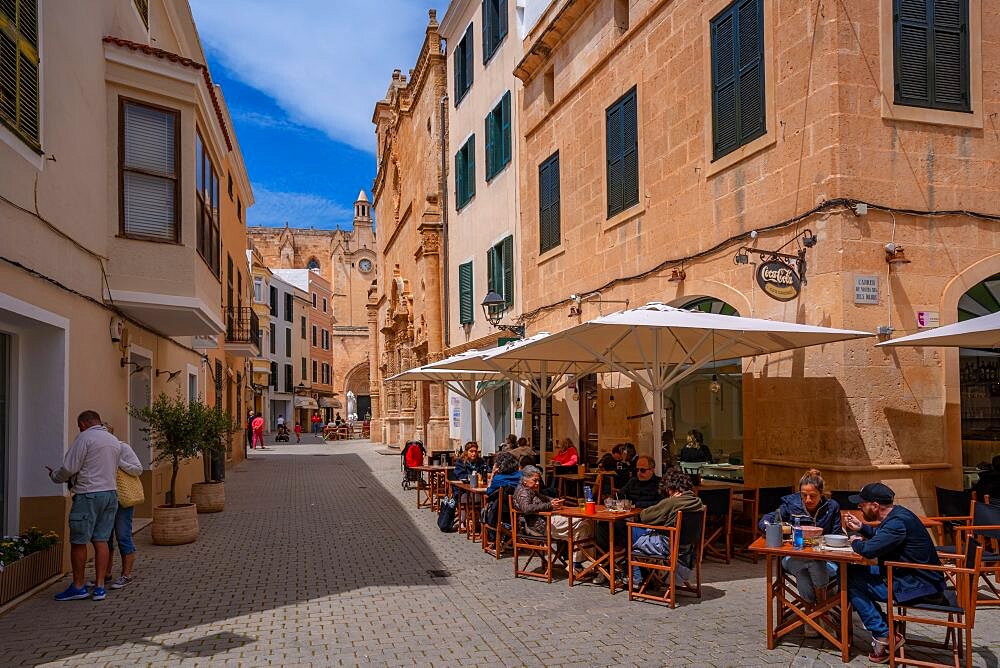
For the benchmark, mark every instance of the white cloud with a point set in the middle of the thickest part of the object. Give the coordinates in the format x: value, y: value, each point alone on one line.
x: 326, y: 63
x: 264, y: 120
x: 275, y: 208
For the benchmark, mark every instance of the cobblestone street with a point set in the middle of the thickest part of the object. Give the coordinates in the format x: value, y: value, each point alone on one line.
x: 320, y: 558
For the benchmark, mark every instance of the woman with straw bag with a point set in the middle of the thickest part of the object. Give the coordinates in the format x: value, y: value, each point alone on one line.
x: 130, y: 494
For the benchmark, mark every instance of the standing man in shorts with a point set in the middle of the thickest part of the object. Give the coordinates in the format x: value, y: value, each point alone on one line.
x: 91, y: 463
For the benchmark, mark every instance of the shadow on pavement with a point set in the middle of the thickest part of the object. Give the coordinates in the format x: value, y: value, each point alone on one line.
x: 295, y: 529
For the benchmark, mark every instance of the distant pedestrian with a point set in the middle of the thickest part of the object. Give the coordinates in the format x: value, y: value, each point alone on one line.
x: 281, y: 421
x: 129, y: 462
x: 258, y: 431
x: 90, y: 466
x: 250, y: 417
x: 298, y: 432
x: 317, y: 421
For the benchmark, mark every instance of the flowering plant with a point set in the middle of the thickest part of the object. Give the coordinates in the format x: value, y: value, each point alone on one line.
x: 33, y: 540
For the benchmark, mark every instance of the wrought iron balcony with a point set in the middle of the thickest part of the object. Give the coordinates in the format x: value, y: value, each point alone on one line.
x: 242, y: 331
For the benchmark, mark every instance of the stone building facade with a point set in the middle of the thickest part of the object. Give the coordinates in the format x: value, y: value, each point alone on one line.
x: 836, y: 150
x: 347, y: 260
x: 406, y: 304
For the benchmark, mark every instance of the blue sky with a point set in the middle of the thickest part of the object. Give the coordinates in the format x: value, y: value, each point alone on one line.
x: 301, y: 78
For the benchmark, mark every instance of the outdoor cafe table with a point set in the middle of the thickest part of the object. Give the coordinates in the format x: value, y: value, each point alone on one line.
x: 576, y: 478
x: 436, y: 485
x: 472, y: 499
x: 786, y: 611
x: 604, y: 562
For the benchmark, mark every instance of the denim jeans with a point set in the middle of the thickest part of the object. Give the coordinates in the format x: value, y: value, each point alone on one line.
x: 809, y: 574
x: 123, y: 531
x: 656, y: 548
x: 866, y: 588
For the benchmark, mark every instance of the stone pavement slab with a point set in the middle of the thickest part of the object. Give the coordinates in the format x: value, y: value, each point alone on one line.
x: 322, y: 559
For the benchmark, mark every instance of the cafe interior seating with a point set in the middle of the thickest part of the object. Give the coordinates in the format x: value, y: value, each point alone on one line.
x: 956, y: 613
x: 686, y: 546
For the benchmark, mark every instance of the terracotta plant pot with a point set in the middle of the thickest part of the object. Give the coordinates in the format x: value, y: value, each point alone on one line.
x: 209, y: 497
x: 21, y: 575
x: 175, y: 525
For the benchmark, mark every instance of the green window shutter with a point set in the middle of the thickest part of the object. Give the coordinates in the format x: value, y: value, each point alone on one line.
x: 491, y: 283
x: 507, y: 262
x: 622, y: 154
x: 502, y: 29
x: 548, y: 203
x: 725, y: 137
x: 458, y: 60
x: 469, y: 75
x: 490, y: 144
x: 470, y: 168
x: 466, y: 310
x: 931, y: 53
x: 738, y: 101
x: 750, y: 23
x: 459, y: 178
x: 505, y: 154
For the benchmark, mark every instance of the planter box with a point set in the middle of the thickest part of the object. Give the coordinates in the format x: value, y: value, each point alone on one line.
x: 23, y: 574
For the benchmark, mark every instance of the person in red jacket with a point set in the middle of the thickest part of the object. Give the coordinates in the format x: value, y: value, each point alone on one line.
x: 298, y: 432
x: 258, y: 431
x: 567, y: 455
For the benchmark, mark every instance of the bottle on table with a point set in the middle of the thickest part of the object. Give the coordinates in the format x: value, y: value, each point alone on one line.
x: 797, y: 542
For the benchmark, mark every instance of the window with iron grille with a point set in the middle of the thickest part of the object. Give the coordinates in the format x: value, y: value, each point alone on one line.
x: 498, y: 137
x: 465, y: 173
x: 500, y: 270
x: 207, y: 183
x: 466, y: 296
x: 931, y: 54
x: 19, y: 86
x: 494, y: 26
x: 462, y: 65
x: 548, y: 204
x: 142, y: 6
x: 622, y: 153
x: 738, y: 105
x: 149, y: 172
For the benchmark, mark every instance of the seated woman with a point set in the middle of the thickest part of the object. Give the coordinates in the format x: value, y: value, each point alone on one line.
x: 529, y: 501
x: 694, y: 449
x: 811, y: 507
x: 506, y: 474
x: 567, y: 455
x: 678, y: 497
x: 469, y: 462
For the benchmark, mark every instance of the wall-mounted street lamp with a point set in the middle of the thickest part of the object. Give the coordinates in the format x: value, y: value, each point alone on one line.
x: 494, y: 307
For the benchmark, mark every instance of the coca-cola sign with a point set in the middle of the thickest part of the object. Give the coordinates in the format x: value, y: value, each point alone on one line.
x: 778, y: 280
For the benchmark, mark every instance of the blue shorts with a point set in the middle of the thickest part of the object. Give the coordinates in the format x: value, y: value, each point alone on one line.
x: 92, y: 516
x: 123, y: 530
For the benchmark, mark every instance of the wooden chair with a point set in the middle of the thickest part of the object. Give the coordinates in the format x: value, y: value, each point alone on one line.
x: 754, y: 503
x: 719, y: 521
x: 501, y: 529
x: 843, y: 499
x: 983, y: 528
x: 954, y: 508
x: 959, y: 608
x: 686, y: 536
x: 535, y: 545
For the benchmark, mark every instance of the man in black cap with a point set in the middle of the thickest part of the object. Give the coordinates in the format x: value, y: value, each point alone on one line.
x: 899, y: 536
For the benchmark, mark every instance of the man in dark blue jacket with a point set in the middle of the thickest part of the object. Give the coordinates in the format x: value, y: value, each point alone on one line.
x: 899, y: 536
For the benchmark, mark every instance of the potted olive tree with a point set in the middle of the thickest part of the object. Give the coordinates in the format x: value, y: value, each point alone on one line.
x: 174, y: 426
x: 216, y: 431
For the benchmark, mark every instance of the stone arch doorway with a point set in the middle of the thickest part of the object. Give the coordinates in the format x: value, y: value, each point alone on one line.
x: 356, y: 385
x: 979, y: 379
x: 711, y: 399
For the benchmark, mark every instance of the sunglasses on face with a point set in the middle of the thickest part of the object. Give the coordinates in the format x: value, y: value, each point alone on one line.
x: 643, y: 470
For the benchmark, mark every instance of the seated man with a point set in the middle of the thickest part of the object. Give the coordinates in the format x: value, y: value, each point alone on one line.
x: 530, y: 502
x: 676, y: 487
x: 643, y: 491
x: 900, y: 536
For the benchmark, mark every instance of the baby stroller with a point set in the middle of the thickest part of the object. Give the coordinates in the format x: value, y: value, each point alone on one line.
x: 282, y: 435
x: 411, y: 456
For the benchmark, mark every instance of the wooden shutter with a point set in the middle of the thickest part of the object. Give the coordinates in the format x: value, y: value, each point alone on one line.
x: 622, y: 154
x: 488, y: 9
x: 459, y: 177
x: 724, y: 110
x: 466, y: 312
x: 507, y: 267
x: 149, y: 185
x: 548, y: 203
x: 615, y: 158
x: 750, y: 26
x: 491, y: 142
x: 931, y: 53
x: 505, y: 153
x: 502, y: 12
x: 458, y: 59
x: 738, y: 98
x: 469, y: 76
x: 491, y: 270
x: 470, y: 168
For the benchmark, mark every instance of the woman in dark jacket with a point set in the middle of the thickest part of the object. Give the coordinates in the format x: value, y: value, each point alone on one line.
x: 694, y: 449
x: 812, y: 508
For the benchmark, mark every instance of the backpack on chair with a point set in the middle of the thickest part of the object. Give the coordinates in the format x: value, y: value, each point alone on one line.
x: 446, y: 515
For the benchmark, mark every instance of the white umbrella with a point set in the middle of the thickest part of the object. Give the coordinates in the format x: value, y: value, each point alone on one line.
x: 981, y: 332
x: 538, y: 375
x: 657, y: 346
x: 471, y: 385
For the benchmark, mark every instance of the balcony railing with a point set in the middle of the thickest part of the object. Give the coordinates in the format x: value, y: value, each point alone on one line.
x: 242, y: 326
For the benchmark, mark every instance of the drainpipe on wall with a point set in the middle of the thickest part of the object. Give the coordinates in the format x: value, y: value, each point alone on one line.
x: 444, y: 219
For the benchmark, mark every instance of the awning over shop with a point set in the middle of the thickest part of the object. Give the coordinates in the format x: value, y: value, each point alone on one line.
x: 306, y: 402
x: 330, y: 402
x: 981, y: 332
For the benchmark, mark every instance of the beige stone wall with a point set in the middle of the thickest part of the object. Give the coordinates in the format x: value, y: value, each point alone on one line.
x: 855, y: 411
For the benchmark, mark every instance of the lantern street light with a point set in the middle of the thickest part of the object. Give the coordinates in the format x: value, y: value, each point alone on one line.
x: 494, y: 307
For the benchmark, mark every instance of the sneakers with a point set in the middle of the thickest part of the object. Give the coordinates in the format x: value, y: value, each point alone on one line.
x: 72, y: 593
x: 122, y: 582
x: 98, y: 594
x: 880, y: 648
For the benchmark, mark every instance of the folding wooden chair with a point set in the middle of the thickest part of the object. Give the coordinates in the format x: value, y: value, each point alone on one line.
x: 536, y: 545
x: 754, y: 503
x: 954, y: 508
x: 501, y: 529
x: 719, y: 521
x: 984, y: 528
x: 958, y: 607
x: 686, y: 537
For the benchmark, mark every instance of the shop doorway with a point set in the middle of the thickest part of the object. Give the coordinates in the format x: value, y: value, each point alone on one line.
x: 586, y: 390
x: 501, y: 416
x: 979, y: 377
x: 711, y: 399
x: 140, y: 396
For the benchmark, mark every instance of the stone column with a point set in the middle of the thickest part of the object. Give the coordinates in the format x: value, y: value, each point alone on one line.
x: 374, y: 359
x: 430, y: 252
